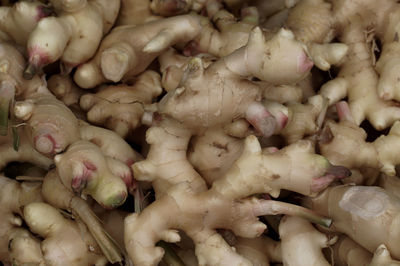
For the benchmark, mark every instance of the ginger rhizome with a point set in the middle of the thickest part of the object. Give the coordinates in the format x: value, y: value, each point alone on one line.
x: 19, y: 20
x: 236, y: 97
x: 14, y: 196
x: 344, y: 143
x: 301, y: 243
x: 73, y: 36
x: 51, y: 125
x: 78, y: 246
x: 56, y: 194
x: 128, y: 50
x: 120, y: 108
x: 346, y: 252
x: 222, y: 200
x: 373, y: 210
x: 84, y: 169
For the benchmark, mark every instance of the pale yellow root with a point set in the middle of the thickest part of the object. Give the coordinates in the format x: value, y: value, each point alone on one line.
x: 73, y: 36
x: 135, y: 12
x: 78, y: 246
x: 56, y: 194
x: 14, y: 196
x: 301, y: 243
x: 128, y: 50
x: 166, y: 164
x: 25, y: 153
x: 372, y: 210
x: 260, y: 251
x: 52, y: 126
x: 219, y: 207
x: 20, y: 19
x: 83, y: 169
x: 382, y: 257
x: 346, y: 252
x: 213, y: 153
x: 63, y: 87
x: 344, y: 144
x: 120, y: 108
x: 233, y: 98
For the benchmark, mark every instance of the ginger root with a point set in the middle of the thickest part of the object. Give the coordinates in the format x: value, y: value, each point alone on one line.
x: 120, y: 108
x: 78, y: 246
x: 73, y: 36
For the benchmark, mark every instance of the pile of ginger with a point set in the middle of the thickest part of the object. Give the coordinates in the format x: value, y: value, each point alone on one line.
x: 199, y: 132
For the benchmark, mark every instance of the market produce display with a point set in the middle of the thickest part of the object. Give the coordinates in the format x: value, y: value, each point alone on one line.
x: 199, y: 132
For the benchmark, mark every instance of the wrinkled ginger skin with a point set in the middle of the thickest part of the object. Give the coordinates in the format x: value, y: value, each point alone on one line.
x: 221, y: 206
x: 121, y: 107
x: 12, y: 63
x: 135, y: 12
x: 13, y: 197
x: 84, y: 169
x: 346, y: 252
x: 52, y: 125
x: 213, y: 153
x: 78, y: 246
x: 123, y: 54
x: 301, y: 243
x: 166, y: 163
x: 63, y: 87
x: 26, y: 152
x: 221, y: 93
x: 56, y: 194
x: 260, y: 251
x: 375, y: 212
x: 73, y: 36
x: 18, y: 21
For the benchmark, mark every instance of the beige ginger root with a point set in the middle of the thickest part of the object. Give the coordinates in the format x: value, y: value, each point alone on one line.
x: 260, y: 250
x: 56, y: 194
x: 78, y: 246
x: 128, y: 50
x: 73, y: 36
x: 12, y: 84
x: 382, y: 257
x: 63, y: 87
x: 236, y: 97
x: 14, y: 196
x: 25, y: 152
x: 301, y: 243
x: 20, y: 19
x: 141, y: 231
x: 213, y: 153
x: 51, y: 125
x: 121, y: 107
x: 346, y: 252
x: 135, y: 12
x: 84, y: 169
x: 372, y: 209
x: 344, y: 143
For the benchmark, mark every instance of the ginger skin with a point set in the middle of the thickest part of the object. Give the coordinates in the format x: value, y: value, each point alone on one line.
x: 121, y: 107
x: 301, y: 243
x: 221, y: 201
x: 14, y: 196
x: 19, y: 20
x: 73, y: 36
x: 346, y: 252
x: 128, y: 50
x: 84, y: 169
x: 344, y: 143
x: 78, y: 246
x: 236, y: 97
x: 56, y: 194
x: 349, y: 205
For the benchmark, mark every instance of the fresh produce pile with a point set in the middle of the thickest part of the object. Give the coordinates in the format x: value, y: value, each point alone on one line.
x: 200, y: 132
